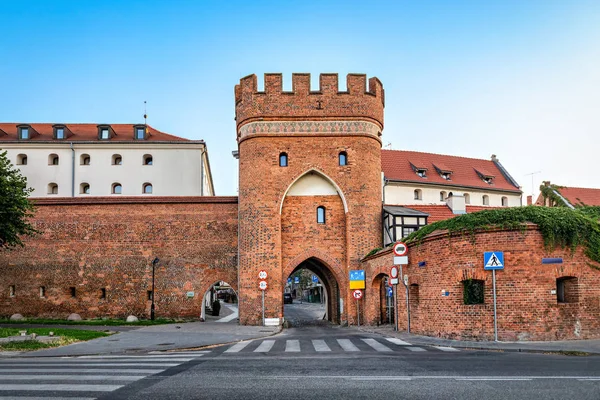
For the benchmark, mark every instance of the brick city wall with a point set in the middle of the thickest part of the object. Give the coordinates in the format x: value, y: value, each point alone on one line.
x: 527, y: 306
x: 106, y: 243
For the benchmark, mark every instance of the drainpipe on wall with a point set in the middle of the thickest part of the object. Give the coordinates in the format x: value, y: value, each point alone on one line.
x: 72, y: 170
x: 202, y: 170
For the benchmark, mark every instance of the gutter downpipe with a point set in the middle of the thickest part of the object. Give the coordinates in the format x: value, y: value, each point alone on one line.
x: 202, y: 170
x: 72, y: 170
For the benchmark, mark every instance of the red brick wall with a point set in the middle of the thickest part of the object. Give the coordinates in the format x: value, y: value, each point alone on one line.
x: 527, y: 309
x: 106, y: 243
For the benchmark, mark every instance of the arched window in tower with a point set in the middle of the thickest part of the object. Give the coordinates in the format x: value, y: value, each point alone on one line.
x: 343, y: 158
x: 283, y: 160
x: 320, y: 215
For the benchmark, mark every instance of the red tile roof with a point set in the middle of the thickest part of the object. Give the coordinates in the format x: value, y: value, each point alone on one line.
x: 84, y: 132
x: 396, y: 166
x: 442, y: 212
x: 580, y: 196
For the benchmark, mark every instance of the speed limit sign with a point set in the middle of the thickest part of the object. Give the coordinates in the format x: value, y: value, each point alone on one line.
x: 262, y: 274
x: 262, y: 285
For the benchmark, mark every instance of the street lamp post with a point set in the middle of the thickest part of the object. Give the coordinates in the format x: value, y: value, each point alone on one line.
x: 154, y: 262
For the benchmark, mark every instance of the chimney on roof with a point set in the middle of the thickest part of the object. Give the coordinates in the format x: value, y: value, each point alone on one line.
x: 494, y: 159
x: 529, y: 200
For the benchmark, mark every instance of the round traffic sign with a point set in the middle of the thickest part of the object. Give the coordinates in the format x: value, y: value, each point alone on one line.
x: 262, y: 285
x: 262, y: 274
x: 400, y: 249
x: 394, y: 272
x: 357, y: 294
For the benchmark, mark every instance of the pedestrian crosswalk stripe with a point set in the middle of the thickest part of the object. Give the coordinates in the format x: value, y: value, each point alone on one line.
x: 397, y: 341
x: 265, y: 346
x: 136, y: 359
x: 320, y: 345
x: 71, y: 377
x: 292, y: 345
x: 411, y: 348
x: 445, y: 348
x: 237, y: 347
x: 347, y: 345
x: 376, y: 345
x: 88, y: 371
x: 59, y: 387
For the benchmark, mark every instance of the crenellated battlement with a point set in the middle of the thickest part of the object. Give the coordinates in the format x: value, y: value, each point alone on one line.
x: 328, y: 103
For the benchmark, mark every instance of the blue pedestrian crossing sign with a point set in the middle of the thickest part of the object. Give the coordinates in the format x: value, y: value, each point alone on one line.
x: 390, y: 292
x: 315, y: 279
x: 493, y: 260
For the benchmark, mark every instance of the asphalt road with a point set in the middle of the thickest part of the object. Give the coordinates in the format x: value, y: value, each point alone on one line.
x: 311, y: 362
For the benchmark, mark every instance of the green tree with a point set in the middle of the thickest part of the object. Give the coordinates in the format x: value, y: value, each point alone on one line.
x: 15, y: 208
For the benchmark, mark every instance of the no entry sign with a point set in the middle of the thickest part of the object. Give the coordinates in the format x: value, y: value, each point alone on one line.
x: 400, y: 249
x: 357, y: 294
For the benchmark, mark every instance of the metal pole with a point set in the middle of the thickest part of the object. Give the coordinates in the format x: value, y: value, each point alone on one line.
x: 152, y: 305
x: 495, y: 314
x: 407, y: 309
x: 263, y: 307
x: 357, y: 313
x: 395, y: 307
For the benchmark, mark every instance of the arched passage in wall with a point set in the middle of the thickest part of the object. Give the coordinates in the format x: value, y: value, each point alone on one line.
x: 312, y: 301
x: 219, y: 303
x: 383, y: 303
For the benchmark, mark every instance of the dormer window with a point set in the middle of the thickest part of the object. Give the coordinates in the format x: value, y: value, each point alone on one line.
x: 419, y: 169
x: 24, y: 133
x: 485, y: 176
x: 139, y: 132
x: 60, y: 132
x: 445, y: 172
x: 104, y: 132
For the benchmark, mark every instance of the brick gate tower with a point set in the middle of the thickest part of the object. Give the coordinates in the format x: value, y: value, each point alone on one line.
x: 309, y: 186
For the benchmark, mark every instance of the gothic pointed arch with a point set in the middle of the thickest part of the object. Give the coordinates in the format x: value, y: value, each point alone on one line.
x: 321, y: 175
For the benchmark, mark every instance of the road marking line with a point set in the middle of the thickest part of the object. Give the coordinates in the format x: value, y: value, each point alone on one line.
x: 237, y: 347
x: 320, y: 345
x: 292, y: 345
x: 71, y: 377
x: 589, y: 379
x: 60, y: 387
x: 52, y: 398
x: 182, y: 353
x: 88, y: 371
x: 445, y: 348
x: 347, y: 345
x: 265, y: 346
x: 150, y: 356
x: 397, y: 341
x: 229, y: 317
x: 494, y: 379
x: 89, y: 364
x: 416, y: 348
x: 381, y: 378
x: 376, y: 345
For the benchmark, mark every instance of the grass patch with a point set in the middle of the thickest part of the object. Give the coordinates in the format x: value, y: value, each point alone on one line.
x: 94, y: 322
x: 64, y: 336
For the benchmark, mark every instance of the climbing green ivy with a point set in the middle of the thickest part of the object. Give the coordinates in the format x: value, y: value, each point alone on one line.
x: 549, y: 192
x: 559, y: 226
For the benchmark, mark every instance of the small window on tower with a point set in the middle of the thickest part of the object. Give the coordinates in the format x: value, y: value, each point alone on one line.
x: 320, y: 215
x: 343, y: 158
x: 283, y: 160
x: 116, y: 188
x: 53, y: 159
x: 147, y: 188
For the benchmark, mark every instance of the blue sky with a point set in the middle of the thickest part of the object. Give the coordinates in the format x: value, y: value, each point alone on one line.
x: 519, y: 79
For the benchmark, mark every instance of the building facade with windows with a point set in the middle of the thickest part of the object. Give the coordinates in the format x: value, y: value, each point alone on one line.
x: 421, y: 188
x: 78, y: 160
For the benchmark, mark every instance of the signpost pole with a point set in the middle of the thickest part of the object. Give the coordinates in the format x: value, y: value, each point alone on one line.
x: 263, y: 307
x: 357, y: 313
x: 495, y: 314
x: 396, y: 307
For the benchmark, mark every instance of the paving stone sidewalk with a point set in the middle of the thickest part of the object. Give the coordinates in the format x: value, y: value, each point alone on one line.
x: 588, y: 346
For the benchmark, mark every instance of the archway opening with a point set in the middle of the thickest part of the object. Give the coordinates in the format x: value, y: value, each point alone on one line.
x: 220, y: 304
x: 311, y: 295
x: 384, y: 302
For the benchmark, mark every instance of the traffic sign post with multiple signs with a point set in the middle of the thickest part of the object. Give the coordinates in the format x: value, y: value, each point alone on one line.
x: 357, y: 294
x: 262, y: 285
x: 400, y: 258
x: 492, y: 261
x: 357, y: 282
